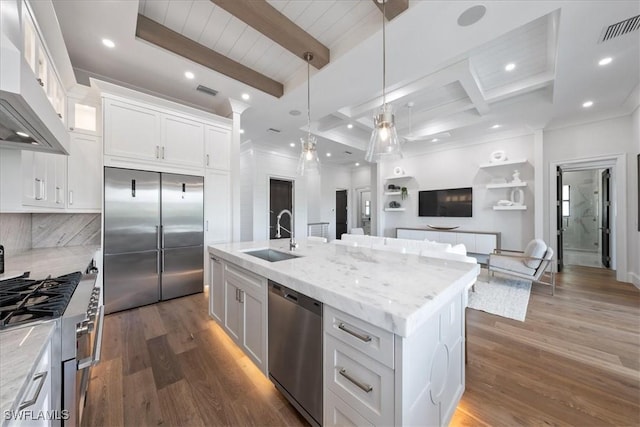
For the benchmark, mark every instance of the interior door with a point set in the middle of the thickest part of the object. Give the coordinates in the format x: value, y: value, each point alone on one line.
x: 605, y: 228
x: 341, y: 213
x: 559, y: 222
x: 280, y: 198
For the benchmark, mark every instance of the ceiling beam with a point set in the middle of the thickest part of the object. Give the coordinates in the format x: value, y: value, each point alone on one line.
x: 161, y: 36
x: 393, y: 8
x: 271, y: 23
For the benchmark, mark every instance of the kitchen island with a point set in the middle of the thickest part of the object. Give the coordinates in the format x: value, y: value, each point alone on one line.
x: 393, y: 323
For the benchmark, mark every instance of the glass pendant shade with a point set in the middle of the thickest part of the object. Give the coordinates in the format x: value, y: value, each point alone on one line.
x: 309, y: 161
x: 384, y: 143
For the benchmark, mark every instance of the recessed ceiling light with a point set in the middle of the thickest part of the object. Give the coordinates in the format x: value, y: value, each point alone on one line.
x: 294, y: 112
x: 435, y: 140
x: 245, y: 96
x: 108, y: 43
x: 510, y: 66
x: 471, y: 15
x: 189, y: 75
x: 605, y: 61
x: 34, y: 143
x: 22, y: 134
x: 349, y: 126
x: 241, y: 131
x: 328, y: 154
x: 293, y: 144
x: 587, y: 104
x: 357, y: 164
x: 496, y: 126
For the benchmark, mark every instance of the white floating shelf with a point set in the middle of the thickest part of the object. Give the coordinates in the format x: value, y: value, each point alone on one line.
x: 398, y: 177
x: 505, y: 163
x: 394, y: 209
x: 507, y: 185
x: 392, y: 193
x: 510, y: 208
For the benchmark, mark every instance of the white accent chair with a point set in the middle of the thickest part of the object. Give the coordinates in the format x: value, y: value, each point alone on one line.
x: 345, y: 243
x: 357, y: 231
x: 529, y: 264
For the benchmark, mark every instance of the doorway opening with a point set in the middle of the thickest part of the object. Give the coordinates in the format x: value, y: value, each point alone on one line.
x: 363, y: 213
x: 280, y: 199
x: 341, y: 213
x: 584, y: 217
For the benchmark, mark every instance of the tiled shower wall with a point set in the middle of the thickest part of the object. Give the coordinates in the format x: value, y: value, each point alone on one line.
x: 20, y: 232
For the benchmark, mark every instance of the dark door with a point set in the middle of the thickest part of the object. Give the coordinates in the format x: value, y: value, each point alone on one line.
x: 605, y: 228
x: 280, y: 198
x: 341, y: 213
x: 559, y: 219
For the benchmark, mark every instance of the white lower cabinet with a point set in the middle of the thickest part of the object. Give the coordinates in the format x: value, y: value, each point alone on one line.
x: 338, y: 413
x: 216, y: 289
x: 245, y: 312
x: 36, y: 401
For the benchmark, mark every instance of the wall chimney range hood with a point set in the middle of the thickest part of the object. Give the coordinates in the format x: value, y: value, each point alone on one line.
x: 28, y: 121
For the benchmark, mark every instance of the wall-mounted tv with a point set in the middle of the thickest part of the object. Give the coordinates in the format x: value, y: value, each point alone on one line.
x: 453, y: 202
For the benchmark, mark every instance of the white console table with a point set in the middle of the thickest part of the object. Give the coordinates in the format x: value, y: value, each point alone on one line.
x: 476, y: 242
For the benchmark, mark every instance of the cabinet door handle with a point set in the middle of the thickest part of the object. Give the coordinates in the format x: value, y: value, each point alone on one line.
x: 163, y: 152
x: 157, y: 151
x: 42, y: 376
x: 241, y: 296
x: 206, y: 225
x: 71, y: 197
x: 207, y: 160
x: 362, y: 386
x: 40, y: 82
x: 237, y: 297
x: 58, y: 196
x: 365, y: 338
x: 38, y: 189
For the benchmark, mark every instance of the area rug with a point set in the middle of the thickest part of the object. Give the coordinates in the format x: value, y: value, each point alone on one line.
x: 502, y: 296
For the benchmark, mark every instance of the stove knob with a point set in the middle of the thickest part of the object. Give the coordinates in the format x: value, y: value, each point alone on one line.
x: 82, y: 329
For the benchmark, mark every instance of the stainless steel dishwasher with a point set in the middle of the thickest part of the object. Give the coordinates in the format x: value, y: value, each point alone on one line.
x: 295, y: 349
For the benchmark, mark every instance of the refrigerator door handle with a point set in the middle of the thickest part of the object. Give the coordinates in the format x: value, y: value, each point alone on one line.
x: 161, y: 237
x: 158, y: 236
x: 162, y: 265
x: 158, y: 263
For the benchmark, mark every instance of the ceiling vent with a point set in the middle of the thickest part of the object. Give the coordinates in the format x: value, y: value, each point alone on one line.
x: 620, y: 29
x: 207, y: 90
x: 273, y: 130
x: 348, y: 152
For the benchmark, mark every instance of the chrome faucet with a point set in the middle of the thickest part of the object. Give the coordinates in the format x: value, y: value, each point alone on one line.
x: 292, y: 241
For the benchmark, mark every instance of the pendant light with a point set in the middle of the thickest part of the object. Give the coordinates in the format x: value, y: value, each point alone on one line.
x: 309, y: 161
x: 384, y: 143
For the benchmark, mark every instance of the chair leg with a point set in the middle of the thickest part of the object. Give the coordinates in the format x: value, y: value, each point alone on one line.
x: 553, y: 283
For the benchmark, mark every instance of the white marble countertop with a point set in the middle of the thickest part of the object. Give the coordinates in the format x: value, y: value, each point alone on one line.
x: 53, y: 261
x: 20, y: 349
x: 394, y: 291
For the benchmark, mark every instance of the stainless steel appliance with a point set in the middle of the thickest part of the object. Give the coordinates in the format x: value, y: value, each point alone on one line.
x: 76, y: 302
x: 153, y: 237
x: 295, y: 349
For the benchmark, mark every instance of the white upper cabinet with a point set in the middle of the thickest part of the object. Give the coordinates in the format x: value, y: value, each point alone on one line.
x: 84, y: 112
x: 131, y: 131
x: 217, y: 147
x: 44, y: 179
x: 85, y: 173
x: 182, y: 141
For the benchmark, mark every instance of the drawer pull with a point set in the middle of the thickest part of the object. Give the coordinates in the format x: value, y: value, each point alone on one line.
x: 364, y: 387
x: 365, y: 338
x: 42, y: 376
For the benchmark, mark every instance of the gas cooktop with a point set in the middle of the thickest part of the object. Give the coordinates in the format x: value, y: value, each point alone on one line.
x: 23, y: 300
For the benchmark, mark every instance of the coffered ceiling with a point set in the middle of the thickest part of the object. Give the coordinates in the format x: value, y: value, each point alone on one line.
x: 447, y: 82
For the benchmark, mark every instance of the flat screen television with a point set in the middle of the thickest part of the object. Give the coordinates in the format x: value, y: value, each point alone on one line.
x: 453, y: 202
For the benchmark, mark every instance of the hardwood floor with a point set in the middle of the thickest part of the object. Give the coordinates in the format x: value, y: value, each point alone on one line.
x: 574, y: 361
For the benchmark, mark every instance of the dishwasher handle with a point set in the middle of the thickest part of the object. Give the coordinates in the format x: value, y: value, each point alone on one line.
x: 294, y: 297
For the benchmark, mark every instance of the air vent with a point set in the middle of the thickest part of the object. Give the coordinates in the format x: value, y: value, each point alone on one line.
x: 273, y: 130
x: 348, y: 152
x: 620, y: 29
x: 207, y: 90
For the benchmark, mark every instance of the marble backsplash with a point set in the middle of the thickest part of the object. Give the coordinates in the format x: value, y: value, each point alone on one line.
x: 20, y: 232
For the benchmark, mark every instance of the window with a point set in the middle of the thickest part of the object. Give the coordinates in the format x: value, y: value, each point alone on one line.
x: 565, y: 200
x: 367, y: 208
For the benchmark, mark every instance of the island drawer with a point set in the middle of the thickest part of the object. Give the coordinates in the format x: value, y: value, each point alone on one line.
x: 362, y: 383
x: 338, y: 413
x: 371, y: 340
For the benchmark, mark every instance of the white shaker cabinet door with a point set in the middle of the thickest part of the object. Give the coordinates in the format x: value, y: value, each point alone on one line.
x: 217, y: 147
x: 85, y: 173
x: 182, y: 141
x: 216, y: 289
x: 131, y: 131
x: 217, y: 207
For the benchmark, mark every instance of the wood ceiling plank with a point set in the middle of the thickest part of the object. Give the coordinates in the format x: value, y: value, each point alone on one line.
x: 165, y: 38
x: 273, y: 24
x: 393, y: 7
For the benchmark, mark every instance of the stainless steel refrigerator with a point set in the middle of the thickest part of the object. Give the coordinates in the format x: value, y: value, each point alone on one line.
x: 153, y: 237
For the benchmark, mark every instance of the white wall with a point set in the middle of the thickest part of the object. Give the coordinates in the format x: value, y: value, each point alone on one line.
x: 332, y: 179
x: 247, y: 179
x: 601, y: 139
x: 458, y: 167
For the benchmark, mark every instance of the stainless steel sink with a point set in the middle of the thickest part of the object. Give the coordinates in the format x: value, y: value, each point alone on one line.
x: 271, y: 255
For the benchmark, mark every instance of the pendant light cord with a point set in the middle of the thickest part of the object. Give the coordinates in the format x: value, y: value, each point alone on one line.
x: 308, y: 56
x: 384, y: 54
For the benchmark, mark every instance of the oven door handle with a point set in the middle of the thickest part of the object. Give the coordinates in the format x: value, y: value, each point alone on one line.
x: 97, y: 345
